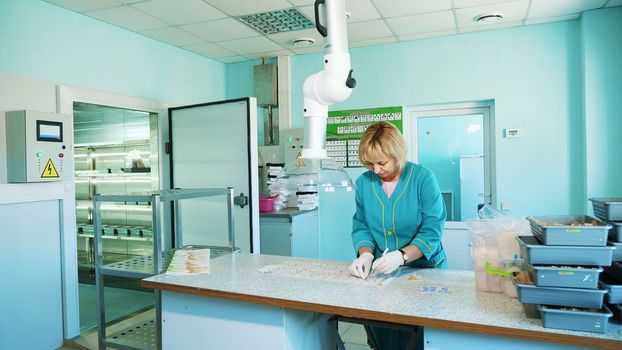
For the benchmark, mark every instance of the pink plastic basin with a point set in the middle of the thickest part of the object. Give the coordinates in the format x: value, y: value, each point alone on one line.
x: 266, y: 203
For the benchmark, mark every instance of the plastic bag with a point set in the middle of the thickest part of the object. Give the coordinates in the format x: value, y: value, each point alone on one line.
x: 496, y: 252
x: 488, y: 212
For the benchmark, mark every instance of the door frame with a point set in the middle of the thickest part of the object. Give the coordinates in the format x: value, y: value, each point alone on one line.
x: 253, y: 180
x: 65, y: 97
x: 486, y: 108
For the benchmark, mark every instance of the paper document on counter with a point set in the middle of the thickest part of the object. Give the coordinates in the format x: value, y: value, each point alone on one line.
x: 328, y: 272
x: 189, y: 262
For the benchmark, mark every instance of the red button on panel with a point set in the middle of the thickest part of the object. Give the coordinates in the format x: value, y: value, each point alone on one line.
x: 61, y: 155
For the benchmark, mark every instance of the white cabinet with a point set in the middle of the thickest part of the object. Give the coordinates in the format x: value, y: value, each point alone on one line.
x: 290, y: 232
x: 458, y: 246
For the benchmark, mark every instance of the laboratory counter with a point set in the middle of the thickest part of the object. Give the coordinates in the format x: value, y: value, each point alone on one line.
x: 444, y: 300
x: 285, y: 212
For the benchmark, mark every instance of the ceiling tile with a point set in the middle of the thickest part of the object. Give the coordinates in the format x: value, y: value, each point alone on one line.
x: 128, y: 18
x: 368, y: 30
x: 472, y: 3
x: 554, y: 8
x: 612, y: 3
x: 361, y: 10
x: 285, y: 39
x: 497, y: 25
x: 306, y: 50
x: 84, y: 6
x: 552, y: 19
x: 427, y: 35
x: 269, y: 54
x: 370, y: 42
x: 250, y: 45
x: 173, y: 36
x: 232, y: 59
x: 210, y: 50
x: 308, y: 11
x: 302, y: 2
x: 247, y: 7
x: 397, y: 8
x: 511, y: 11
x: 220, y: 30
x: 180, y: 11
x: 427, y: 22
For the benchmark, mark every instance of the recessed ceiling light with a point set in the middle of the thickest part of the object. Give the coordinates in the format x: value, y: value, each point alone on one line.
x: 489, y: 17
x: 303, y: 42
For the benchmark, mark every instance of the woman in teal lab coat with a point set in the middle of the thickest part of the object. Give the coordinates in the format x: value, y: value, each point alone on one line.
x: 399, y: 214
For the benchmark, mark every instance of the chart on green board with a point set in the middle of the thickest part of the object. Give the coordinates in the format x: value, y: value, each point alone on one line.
x: 345, y: 128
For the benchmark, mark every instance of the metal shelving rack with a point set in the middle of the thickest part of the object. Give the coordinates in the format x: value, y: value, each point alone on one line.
x: 146, y: 266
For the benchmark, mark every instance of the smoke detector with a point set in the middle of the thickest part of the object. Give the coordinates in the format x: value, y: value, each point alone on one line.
x: 303, y: 42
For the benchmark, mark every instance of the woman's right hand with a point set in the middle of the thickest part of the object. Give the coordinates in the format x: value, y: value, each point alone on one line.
x: 361, y: 266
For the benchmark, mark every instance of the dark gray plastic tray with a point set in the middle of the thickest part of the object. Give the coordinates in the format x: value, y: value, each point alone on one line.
x: 614, y: 271
x: 617, y: 252
x: 617, y: 311
x: 569, y: 230
x: 609, y: 208
x: 535, y: 253
x: 613, y: 288
x: 576, y: 297
x: 566, y: 276
x: 615, y: 234
x: 586, y: 320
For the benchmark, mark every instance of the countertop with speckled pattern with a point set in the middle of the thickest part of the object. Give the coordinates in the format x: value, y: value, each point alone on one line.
x: 439, y: 295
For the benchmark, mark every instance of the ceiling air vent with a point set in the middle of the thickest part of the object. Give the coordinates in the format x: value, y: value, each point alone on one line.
x: 277, y: 21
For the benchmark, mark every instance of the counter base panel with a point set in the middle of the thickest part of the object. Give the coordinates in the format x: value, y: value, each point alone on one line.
x: 193, y: 322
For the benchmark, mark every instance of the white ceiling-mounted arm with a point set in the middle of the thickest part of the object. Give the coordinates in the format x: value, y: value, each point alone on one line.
x: 333, y: 84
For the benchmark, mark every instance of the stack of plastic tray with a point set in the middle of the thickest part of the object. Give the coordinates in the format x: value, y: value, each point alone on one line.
x: 609, y: 210
x: 565, y: 258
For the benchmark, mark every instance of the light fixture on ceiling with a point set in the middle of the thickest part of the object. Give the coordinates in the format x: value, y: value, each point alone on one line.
x: 490, y: 17
x: 303, y: 42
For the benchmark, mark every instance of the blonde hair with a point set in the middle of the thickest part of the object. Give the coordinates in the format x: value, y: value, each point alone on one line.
x: 382, y: 139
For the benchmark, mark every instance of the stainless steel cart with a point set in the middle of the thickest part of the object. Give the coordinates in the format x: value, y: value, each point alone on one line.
x: 146, y: 334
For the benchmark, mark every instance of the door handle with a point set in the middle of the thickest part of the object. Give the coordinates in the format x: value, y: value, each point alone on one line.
x: 240, y: 200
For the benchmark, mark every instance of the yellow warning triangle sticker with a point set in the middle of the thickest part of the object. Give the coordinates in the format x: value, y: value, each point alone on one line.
x: 299, y: 162
x: 49, y: 170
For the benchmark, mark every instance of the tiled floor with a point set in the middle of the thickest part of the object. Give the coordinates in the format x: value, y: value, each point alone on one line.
x: 353, y: 335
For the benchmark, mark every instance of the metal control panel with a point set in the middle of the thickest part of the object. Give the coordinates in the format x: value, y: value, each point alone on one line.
x: 292, y: 141
x: 38, y: 146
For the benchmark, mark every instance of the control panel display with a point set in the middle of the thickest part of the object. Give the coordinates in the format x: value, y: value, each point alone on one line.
x: 49, y: 131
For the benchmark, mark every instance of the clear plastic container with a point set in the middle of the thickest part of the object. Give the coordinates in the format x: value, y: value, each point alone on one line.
x: 495, y: 275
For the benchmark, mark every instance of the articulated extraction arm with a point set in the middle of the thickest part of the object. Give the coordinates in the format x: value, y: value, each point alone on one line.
x: 333, y: 84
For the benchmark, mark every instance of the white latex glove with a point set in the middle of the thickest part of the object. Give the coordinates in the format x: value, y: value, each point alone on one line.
x: 361, y: 266
x: 389, y: 262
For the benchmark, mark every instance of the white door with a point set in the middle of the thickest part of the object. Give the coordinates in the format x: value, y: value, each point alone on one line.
x: 214, y: 145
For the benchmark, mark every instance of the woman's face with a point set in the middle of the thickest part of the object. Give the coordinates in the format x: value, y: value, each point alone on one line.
x: 385, y: 167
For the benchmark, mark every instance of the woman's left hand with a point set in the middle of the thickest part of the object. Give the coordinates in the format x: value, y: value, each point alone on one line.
x: 388, y: 262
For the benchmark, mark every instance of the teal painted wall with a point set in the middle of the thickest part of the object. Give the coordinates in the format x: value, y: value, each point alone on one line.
x: 47, y: 42
x: 602, y: 46
x: 534, y: 76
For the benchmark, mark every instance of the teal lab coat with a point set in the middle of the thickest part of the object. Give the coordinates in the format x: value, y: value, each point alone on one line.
x: 415, y: 214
